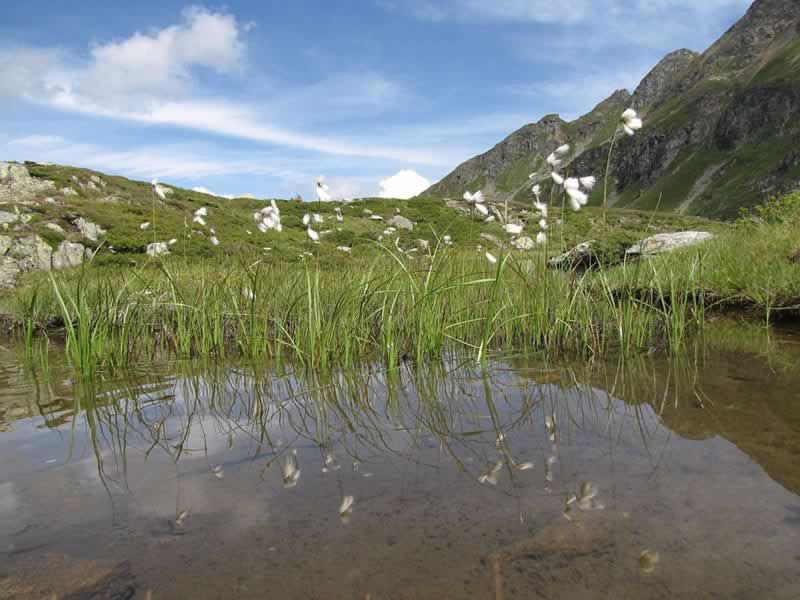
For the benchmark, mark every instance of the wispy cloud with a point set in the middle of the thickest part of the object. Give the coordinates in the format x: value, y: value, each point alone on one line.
x: 148, y: 78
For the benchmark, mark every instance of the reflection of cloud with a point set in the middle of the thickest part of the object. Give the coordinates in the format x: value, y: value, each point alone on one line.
x: 8, y: 499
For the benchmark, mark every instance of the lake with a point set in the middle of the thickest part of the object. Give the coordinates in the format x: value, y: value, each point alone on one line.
x: 643, y: 477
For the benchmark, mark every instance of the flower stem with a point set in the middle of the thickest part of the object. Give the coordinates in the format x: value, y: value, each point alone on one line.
x: 608, y: 171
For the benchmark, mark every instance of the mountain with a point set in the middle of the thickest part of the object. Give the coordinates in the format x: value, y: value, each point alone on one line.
x: 722, y: 129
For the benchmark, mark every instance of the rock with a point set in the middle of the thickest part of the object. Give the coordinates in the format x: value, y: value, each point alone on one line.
x: 401, y: 223
x: 17, y: 185
x: 50, y: 200
x: 459, y: 206
x: 93, y: 186
x: 667, y: 242
x: 7, y: 218
x: 157, y: 249
x: 523, y: 243
x: 580, y: 257
x: 423, y: 245
x: 68, y: 191
x: 97, y: 181
x: 88, y: 230
x: 9, y: 271
x: 68, y: 255
x: 5, y: 244
x: 32, y: 253
x: 56, y: 228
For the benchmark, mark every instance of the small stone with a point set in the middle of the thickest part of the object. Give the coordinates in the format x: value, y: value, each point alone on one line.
x: 580, y: 257
x: 68, y: 191
x: 401, y: 223
x: 157, y: 249
x: 56, y: 228
x: 88, y: 230
x: 7, y: 218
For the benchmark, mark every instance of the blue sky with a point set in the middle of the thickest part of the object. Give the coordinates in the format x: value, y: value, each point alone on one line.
x: 255, y: 97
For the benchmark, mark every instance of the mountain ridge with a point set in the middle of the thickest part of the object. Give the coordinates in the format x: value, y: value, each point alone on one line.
x: 721, y: 128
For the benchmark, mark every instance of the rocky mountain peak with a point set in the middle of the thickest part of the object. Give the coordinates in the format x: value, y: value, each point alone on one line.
x: 661, y: 77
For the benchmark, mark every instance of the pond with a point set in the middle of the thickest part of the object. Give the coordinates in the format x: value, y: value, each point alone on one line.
x: 644, y: 477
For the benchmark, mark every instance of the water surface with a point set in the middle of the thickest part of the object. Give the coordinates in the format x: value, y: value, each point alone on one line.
x: 168, y: 481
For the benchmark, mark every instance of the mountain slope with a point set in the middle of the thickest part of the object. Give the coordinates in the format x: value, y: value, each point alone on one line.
x: 722, y: 129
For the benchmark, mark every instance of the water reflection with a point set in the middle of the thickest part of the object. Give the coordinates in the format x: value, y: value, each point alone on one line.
x: 430, y: 481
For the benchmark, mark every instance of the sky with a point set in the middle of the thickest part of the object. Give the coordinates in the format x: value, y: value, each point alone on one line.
x: 383, y: 97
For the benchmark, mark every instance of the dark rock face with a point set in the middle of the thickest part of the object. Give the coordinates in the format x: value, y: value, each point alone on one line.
x: 722, y: 128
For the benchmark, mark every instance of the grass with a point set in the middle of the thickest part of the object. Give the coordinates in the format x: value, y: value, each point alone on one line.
x: 333, y: 309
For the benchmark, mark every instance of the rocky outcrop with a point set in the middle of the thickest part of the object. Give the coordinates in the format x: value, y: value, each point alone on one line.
x: 88, y: 230
x: 662, y: 77
x: 401, y: 223
x: 17, y: 185
x: 31, y: 252
x: 68, y: 254
x: 579, y: 258
x: 667, y: 242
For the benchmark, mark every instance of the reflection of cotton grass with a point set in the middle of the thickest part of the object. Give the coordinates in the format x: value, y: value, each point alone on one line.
x: 491, y: 476
x: 550, y: 424
x: 290, y: 470
x: 346, y: 507
x: 648, y: 560
x: 218, y: 471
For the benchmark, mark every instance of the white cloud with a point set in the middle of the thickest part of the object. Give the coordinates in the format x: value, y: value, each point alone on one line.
x: 204, y: 190
x: 148, y: 78
x: 403, y: 185
x: 159, y: 64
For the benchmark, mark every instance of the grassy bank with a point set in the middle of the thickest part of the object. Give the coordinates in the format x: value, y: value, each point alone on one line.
x: 383, y: 302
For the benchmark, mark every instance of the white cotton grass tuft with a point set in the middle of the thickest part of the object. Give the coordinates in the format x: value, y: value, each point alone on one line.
x: 145, y: 225
x: 317, y: 218
x: 482, y: 209
x: 172, y: 242
x: 631, y: 123
x: 588, y: 182
x: 490, y: 219
x: 306, y: 219
x: 323, y: 193
x: 476, y: 198
x: 199, y: 220
x: 541, y: 237
x: 491, y: 258
x: 201, y: 212
x: 541, y: 208
x: 214, y: 241
x: 537, y: 190
x: 577, y: 198
x: 312, y: 235
x: 158, y: 190
x: 543, y: 224
x: 514, y: 229
x: 557, y: 178
x: 553, y: 161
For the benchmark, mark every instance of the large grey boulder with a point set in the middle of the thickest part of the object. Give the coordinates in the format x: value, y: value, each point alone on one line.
x: 17, y: 185
x: 667, y: 242
x: 55, y: 227
x: 88, y: 230
x: 68, y: 255
x: 9, y: 271
x: 32, y: 253
x: 401, y: 223
x: 7, y: 218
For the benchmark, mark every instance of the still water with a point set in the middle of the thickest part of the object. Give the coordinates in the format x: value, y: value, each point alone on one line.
x: 646, y: 478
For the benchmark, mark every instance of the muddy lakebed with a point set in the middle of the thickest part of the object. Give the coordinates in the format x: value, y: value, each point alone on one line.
x: 644, y: 477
